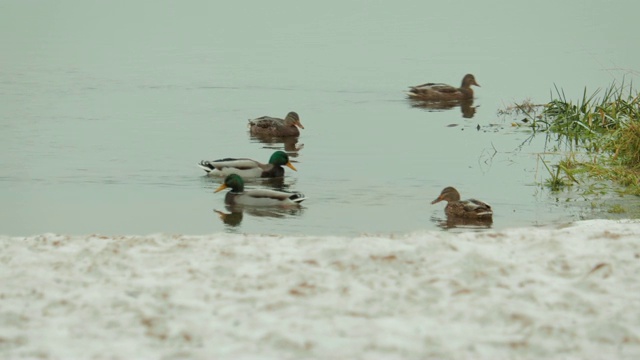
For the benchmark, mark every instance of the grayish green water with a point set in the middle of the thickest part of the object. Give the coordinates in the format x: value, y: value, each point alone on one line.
x: 107, y: 108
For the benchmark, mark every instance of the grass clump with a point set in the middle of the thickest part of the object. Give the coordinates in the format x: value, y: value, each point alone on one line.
x: 625, y: 145
x: 592, y: 115
x: 616, y: 209
x: 605, y: 125
x: 561, y: 175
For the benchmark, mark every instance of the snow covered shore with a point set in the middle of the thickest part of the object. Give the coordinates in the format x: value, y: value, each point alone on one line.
x: 571, y: 292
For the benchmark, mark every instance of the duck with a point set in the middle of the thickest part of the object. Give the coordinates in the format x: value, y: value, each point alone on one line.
x: 256, y: 197
x: 456, y: 208
x: 249, y: 168
x: 444, y: 92
x: 271, y: 126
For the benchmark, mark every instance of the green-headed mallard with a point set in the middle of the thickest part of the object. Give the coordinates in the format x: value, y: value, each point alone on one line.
x: 471, y: 208
x: 256, y: 197
x: 271, y: 126
x: 443, y: 92
x: 248, y: 168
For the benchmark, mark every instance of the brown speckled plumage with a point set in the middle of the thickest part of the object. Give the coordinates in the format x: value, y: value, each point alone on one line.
x: 271, y: 126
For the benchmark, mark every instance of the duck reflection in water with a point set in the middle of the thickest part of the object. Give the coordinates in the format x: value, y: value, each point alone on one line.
x: 234, y: 213
x: 233, y: 218
x: 288, y: 144
x: 466, y: 106
x: 462, y: 223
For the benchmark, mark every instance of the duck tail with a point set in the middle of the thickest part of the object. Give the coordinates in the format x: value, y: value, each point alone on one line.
x: 206, y: 166
x: 297, y: 197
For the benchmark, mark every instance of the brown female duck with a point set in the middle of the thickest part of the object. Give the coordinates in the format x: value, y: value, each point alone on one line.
x: 443, y: 92
x: 271, y: 126
x: 472, y: 208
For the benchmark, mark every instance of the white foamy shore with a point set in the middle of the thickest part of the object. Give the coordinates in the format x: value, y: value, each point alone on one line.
x: 571, y: 292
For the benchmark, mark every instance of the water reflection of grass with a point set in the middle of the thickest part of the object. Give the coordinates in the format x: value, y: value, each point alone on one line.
x: 604, y: 129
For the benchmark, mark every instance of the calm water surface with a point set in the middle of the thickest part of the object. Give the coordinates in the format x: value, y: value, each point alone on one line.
x: 107, y: 108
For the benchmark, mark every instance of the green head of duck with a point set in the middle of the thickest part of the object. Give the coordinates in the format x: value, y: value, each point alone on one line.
x: 280, y: 158
x: 234, y: 182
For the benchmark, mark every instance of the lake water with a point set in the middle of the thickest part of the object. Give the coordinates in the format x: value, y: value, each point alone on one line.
x: 108, y: 107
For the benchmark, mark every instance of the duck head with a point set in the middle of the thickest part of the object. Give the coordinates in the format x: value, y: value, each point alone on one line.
x: 280, y: 158
x: 448, y: 194
x: 469, y: 80
x: 234, y: 182
x: 293, y: 119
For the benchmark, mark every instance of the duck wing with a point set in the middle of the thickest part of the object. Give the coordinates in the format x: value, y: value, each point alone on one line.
x: 267, y: 197
x: 266, y: 122
x: 428, y: 87
x: 478, y: 207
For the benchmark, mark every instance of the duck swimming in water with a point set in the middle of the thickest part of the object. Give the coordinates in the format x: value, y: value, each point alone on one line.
x: 256, y: 197
x: 444, y: 92
x: 248, y: 168
x: 271, y: 126
x: 471, y: 208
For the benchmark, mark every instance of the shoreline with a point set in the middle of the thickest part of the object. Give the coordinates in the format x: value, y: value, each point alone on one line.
x: 524, y: 292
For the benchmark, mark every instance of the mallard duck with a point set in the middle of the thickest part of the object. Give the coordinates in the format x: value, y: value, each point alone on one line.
x: 271, y: 126
x: 471, y: 208
x: 249, y: 168
x: 256, y: 197
x: 441, y: 92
